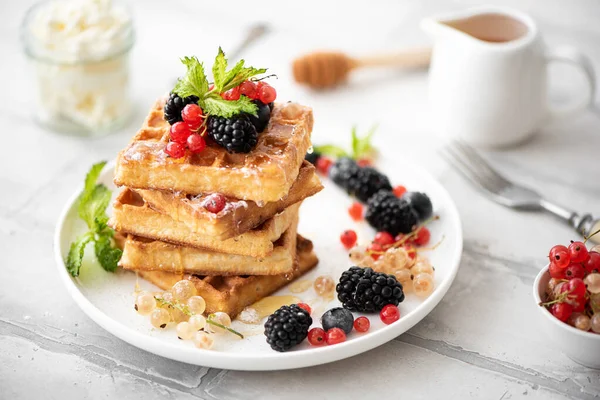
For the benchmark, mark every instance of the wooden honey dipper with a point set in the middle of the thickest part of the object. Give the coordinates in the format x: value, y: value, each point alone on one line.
x: 322, y: 70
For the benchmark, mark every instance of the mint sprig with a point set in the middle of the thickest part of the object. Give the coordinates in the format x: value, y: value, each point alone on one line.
x: 92, y: 206
x: 361, y: 146
x: 195, y: 83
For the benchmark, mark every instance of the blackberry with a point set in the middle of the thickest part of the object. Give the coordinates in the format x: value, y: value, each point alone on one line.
x: 421, y: 203
x: 312, y: 157
x: 362, y: 289
x: 287, y: 327
x: 343, y: 170
x: 338, y: 318
x: 263, y: 115
x: 236, y: 134
x: 175, y: 105
x: 366, y: 183
x: 386, y: 212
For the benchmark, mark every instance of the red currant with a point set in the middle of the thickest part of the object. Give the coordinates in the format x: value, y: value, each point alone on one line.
x: 389, y: 314
x: 305, y: 307
x: 179, y: 132
x: 576, y: 287
x: 384, y: 238
x: 362, y: 324
x: 561, y: 258
x: 356, y: 211
x: 593, y: 263
x: 323, y: 165
x: 348, y: 239
x: 192, y: 116
x: 422, y: 236
x: 267, y: 93
x: 316, y: 337
x: 556, y: 272
x: 175, y: 150
x: 575, y: 270
x: 375, y: 248
x: 215, y: 203
x: 562, y: 311
x: 248, y: 89
x: 196, y: 143
x: 399, y: 190
x: 335, y: 336
x: 578, y: 252
x: 364, y: 162
x: 231, y: 94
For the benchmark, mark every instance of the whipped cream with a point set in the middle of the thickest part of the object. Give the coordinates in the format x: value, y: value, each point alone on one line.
x: 79, y: 50
x: 79, y: 30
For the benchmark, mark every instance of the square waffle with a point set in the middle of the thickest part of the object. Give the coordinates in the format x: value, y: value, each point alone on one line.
x: 231, y: 294
x: 263, y: 175
x: 133, y: 216
x: 146, y: 254
x: 238, y: 216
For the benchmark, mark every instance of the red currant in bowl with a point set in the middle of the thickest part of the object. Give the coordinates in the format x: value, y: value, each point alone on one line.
x: 553, y: 319
x: 578, y: 252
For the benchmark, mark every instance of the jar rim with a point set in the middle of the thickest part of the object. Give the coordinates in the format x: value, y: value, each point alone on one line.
x: 28, y: 42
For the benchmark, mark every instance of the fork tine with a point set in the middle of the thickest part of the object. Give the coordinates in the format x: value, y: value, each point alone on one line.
x: 474, y: 157
x: 454, y: 157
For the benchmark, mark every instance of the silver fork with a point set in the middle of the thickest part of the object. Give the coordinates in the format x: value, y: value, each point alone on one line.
x: 470, y: 164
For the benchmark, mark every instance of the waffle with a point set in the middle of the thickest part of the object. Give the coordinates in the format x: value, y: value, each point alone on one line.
x: 231, y: 294
x: 265, y: 174
x: 238, y: 216
x: 132, y: 216
x: 146, y: 254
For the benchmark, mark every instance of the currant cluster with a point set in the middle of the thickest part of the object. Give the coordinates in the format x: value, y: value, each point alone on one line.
x: 573, y: 293
x: 187, y: 133
x: 253, y: 90
x: 181, y: 306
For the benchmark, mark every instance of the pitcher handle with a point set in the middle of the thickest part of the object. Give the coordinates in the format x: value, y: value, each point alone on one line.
x: 574, y: 57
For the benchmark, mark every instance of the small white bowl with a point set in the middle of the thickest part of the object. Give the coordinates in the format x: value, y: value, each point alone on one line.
x: 581, y: 347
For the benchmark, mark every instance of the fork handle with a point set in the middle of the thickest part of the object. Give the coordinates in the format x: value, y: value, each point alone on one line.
x: 584, y: 224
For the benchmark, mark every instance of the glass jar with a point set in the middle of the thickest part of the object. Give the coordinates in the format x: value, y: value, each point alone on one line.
x: 79, y: 54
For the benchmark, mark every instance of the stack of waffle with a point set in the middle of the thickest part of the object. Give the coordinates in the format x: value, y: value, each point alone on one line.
x: 236, y: 256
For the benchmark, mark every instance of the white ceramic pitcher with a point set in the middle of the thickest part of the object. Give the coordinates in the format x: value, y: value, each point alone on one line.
x: 488, y: 80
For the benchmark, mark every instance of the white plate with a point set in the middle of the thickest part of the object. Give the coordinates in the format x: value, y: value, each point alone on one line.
x: 107, y: 298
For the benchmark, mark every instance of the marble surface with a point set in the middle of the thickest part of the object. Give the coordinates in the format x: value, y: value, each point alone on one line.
x: 480, y: 342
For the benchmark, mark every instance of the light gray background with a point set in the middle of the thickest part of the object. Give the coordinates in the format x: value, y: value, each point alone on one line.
x: 480, y: 342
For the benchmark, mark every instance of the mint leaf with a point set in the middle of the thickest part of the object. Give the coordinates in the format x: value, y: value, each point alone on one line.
x: 354, y: 141
x: 242, y: 75
x: 89, y: 185
x: 232, y: 73
x: 93, y: 209
x: 92, y: 176
x: 93, y: 202
x: 107, y: 254
x: 75, y: 256
x: 331, y: 150
x: 215, y: 105
x: 194, y: 83
x: 218, y: 70
x: 225, y: 80
x: 362, y: 147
